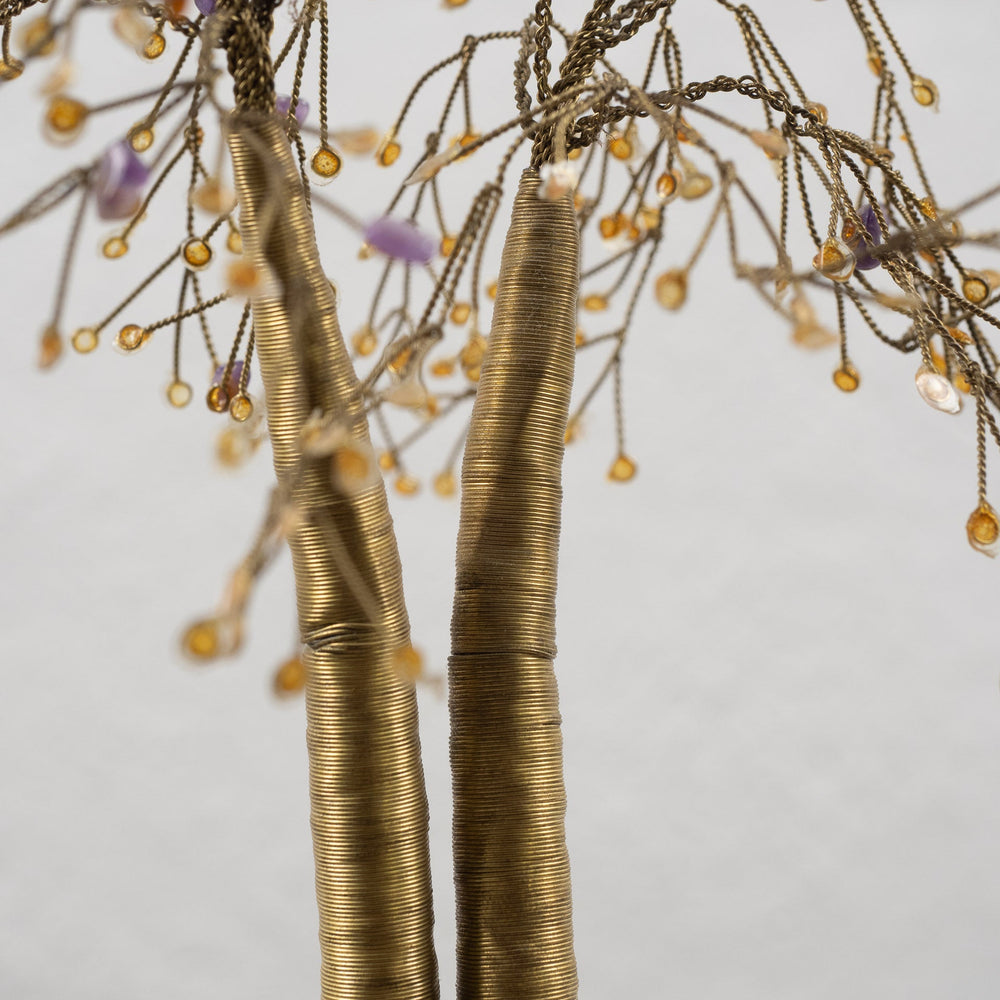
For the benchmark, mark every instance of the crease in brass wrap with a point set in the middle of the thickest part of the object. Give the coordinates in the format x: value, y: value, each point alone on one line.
x: 515, y: 936
x: 368, y: 802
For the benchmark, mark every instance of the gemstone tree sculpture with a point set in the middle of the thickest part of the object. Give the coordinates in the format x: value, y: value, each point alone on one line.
x: 602, y: 155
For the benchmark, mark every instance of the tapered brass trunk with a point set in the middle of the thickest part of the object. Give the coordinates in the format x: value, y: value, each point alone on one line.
x: 369, y: 808
x: 512, y: 879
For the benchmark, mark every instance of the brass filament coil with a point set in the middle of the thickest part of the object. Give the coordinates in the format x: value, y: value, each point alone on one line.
x: 369, y: 807
x: 515, y: 936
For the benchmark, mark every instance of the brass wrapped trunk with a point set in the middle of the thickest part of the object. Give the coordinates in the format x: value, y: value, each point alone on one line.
x: 369, y: 807
x: 515, y: 937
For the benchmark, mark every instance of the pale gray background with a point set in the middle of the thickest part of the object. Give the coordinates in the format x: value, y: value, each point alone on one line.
x: 778, y: 655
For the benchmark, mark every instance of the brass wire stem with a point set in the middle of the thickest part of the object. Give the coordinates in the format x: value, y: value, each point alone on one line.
x: 514, y: 910
x: 369, y: 807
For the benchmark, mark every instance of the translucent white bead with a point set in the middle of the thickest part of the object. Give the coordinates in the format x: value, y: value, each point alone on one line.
x: 937, y: 391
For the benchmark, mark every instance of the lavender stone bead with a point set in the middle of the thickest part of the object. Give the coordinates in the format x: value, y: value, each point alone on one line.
x: 205, y: 6
x: 401, y: 239
x: 119, y: 182
x: 233, y: 385
x: 284, y: 102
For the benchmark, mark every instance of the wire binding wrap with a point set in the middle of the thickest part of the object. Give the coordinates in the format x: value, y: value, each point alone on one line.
x: 369, y: 806
x: 515, y: 935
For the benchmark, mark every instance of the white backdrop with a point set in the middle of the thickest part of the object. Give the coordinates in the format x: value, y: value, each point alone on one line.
x: 777, y: 652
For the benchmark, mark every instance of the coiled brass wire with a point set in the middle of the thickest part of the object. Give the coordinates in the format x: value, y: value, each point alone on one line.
x: 515, y: 935
x: 369, y: 807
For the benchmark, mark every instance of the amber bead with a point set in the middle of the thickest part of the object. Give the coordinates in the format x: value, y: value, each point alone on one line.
x: 443, y: 367
x: 668, y: 184
x: 398, y: 362
x: 975, y: 287
x: 114, y: 247
x: 178, y: 394
x: 924, y: 91
x: 130, y: 338
x: 388, y: 151
x: 983, y: 529
x: 460, y: 313
x: 214, y: 197
x: 387, y: 461
x: 324, y: 165
x: 196, y: 254
x: 64, y: 118
x: 289, y: 679
x: 622, y: 469
x: 154, y: 46
x: 671, y: 289
x: 962, y: 383
x: 203, y: 640
x: 612, y: 225
x: 37, y: 38
x: 928, y: 208
x: 846, y: 378
x: 50, y: 347
x: 217, y: 399
x: 471, y: 356
x: 141, y: 137
x: 241, y: 407
x: 84, y: 340
x: 234, y: 241
x: 595, y: 302
x: 351, y: 467
x: 448, y: 243
x: 491, y: 290
x: 407, y: 485
x: 444, y: 483
x: 958, y: 334
x: 580, y: 338
x: 619, y: 146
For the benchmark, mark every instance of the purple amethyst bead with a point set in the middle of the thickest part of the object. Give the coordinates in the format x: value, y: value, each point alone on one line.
x: 284, y: 102
x: 119, y: 182
x: 205, y: 7
x: 233, y: 385
x: 864, y: 261
x: 401, y: 239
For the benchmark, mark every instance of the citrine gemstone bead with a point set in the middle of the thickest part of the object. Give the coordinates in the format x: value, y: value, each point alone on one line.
x: 448, y: 244
x: 178, y: 394
x: 154, y: 46
x: 491, y: 290
x: 580, y: 338
x: 398, y: 362
x: 196, y: 254
x: 924, y: 91
x: 351, y: 467
x: 11, y: 69
x: 956, y: 333
x: 324, y: 165
x: 65, y: 118
x: 388, y: 151
x: 835, y: 260
x: 695, y: 185
x: 241, y: 407
x: 387, y: 461
x: 37, y: 38
x: 622, y: 469
x: 114, y: 247
x: 846, y: 378
x: 443, y: 367
x: 875, y: 62
x: 407, y: 485
x: 214, y: 197
x: 203, y: 640
x: 140, y: 137
x: 975, y: 287
x: 595, y: 302
x: 234, y: 241
x: 408, y: 664
x: 50, y: 347
x: 130, y: 338
x: 575, y: 153
x: 471, y: 356
x: 928, y: 208
x: 460, y: 313
x: 619, y: 146
x: 572, y: 432
x: 612, y: 225
x: 813, y: 336
x: 983, y: 529
x: 289, y: 679
x: 962, y: 383
x: 364, y: 341
x: 217, y: 399
x: 668, y: 184
x: 772, y: 142
x: 444, y: 483
x: 84, y: 340
x: 935, y: 390
x: 671, y: 288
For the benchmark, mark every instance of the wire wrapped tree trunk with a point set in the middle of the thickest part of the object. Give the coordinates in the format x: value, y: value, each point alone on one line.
x: 511, y: 862
x: 369, y: 808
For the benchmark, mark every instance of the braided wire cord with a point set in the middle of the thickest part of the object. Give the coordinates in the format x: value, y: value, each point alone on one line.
x: 369, y: 807
x: 514, y: 908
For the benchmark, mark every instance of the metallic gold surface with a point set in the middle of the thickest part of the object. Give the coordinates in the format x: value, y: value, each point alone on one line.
x: 515, y: 937
x: 369, y: 808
